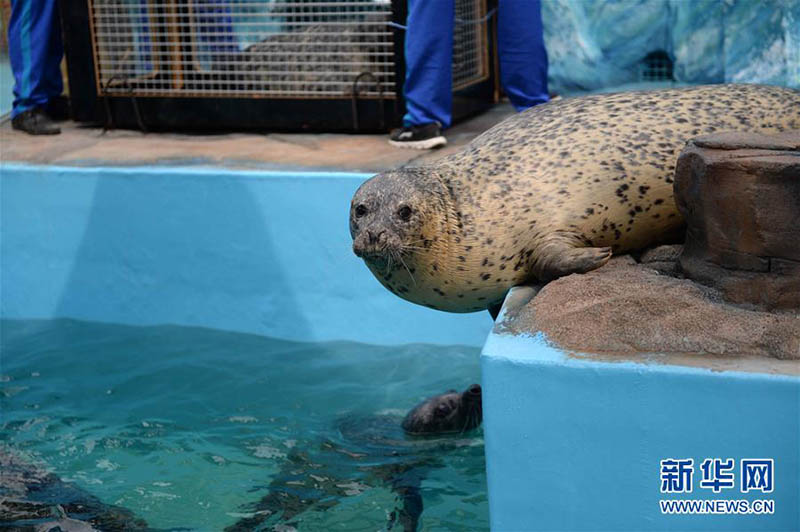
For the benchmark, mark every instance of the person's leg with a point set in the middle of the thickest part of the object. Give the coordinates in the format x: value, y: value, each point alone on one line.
x: 428, y: 85
x: 52, y: 81
x: 523, y: 58
x: 35, y: 51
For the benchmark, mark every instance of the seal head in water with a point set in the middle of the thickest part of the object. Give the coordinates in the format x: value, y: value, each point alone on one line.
x: 448, y: 413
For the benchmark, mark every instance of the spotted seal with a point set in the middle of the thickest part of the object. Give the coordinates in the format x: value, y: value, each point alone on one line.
x: 379, y: 450
x: 548, y: 192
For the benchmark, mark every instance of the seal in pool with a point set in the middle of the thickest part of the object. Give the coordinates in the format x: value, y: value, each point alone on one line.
x: 32, y: 498
x: 551, y: 191
x: 371, y: 451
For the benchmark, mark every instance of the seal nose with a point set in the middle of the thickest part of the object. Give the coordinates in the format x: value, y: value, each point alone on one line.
x: 473, y: 393
x: 376, y: 238
x: 368, y: 242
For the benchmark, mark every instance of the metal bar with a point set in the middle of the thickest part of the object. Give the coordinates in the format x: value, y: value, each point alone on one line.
x: 283, y: 63
x: 272, y: 94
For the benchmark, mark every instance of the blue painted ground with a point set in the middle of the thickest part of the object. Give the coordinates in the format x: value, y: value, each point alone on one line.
x: 187, y: 426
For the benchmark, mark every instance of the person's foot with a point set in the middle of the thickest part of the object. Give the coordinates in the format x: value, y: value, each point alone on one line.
x: 424, y: 137
x: 35, y: 122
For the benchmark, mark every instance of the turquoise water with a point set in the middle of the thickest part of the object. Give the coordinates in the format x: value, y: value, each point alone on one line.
x: 191, y: 427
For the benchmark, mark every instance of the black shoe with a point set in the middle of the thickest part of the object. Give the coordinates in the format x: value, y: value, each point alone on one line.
x: 35, y: 122
x: 58, y: 108
x: 422, y: 137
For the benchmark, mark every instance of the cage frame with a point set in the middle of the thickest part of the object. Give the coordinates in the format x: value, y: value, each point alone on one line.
x: 264, y: 113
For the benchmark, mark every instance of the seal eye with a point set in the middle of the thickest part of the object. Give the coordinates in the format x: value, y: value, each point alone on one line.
x: 442, y: 410
x: 404, y: 213
x: 361, y: 210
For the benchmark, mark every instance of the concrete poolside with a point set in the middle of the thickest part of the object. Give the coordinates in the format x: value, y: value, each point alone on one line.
x: 79, y: 145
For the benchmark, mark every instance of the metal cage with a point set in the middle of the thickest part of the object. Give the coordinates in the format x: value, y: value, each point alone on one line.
x: 345, y: 50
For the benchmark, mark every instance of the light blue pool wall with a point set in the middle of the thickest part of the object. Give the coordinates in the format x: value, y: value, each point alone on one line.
x: 576, y: 444
x: 256, y: 252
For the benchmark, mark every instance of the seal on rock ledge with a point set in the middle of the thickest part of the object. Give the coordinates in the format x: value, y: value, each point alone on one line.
x: 548, y: 192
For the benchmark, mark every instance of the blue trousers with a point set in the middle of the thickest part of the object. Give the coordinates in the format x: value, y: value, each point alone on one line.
x: 35, y: 50
x: 429, y: 58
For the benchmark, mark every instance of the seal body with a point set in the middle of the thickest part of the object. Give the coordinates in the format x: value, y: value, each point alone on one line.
x: 548, y: 192
x: 384, y: 451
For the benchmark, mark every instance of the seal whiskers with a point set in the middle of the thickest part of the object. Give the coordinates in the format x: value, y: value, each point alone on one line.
x: 400, y: 258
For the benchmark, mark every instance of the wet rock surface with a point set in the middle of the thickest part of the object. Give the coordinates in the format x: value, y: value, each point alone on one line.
x: 632, y: 307
x: 740, y: 196
x: 32, y: 499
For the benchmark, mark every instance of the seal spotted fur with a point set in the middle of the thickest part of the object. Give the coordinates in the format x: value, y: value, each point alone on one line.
x: 548, y: 192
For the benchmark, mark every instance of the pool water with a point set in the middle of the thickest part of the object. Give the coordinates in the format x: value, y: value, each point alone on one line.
x: 190, y: 428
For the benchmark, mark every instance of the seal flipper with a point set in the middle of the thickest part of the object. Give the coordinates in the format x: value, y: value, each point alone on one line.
x: 408, y: 515
x: 293, y: 491
x: 406, y: 481
x: 564, y: 252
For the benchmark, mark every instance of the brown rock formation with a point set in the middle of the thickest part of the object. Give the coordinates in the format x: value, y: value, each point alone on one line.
x: 626, y: 308
x: 740, y: 196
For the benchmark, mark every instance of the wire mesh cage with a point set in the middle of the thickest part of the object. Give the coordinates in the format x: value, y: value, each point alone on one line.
x: 266, y: 49
x: 276, y: 49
